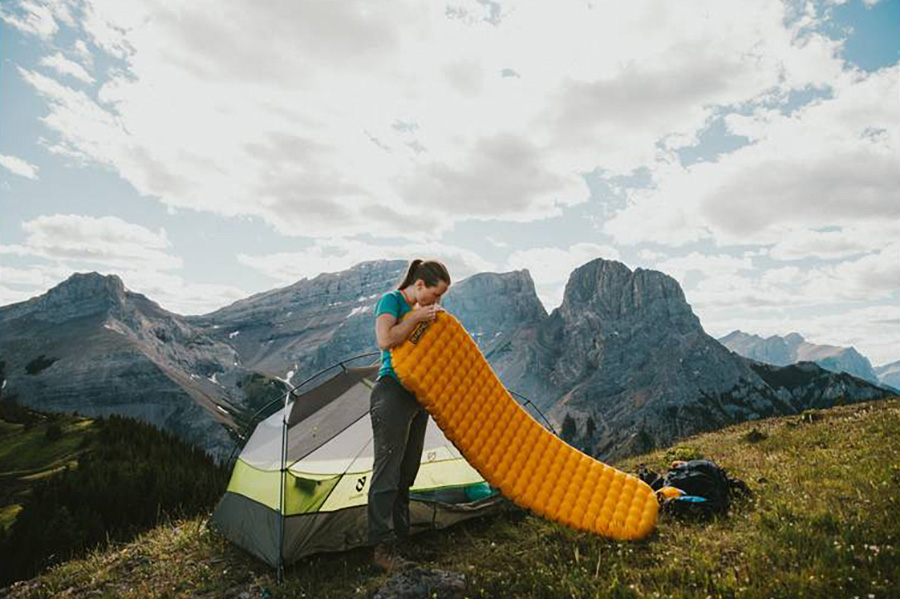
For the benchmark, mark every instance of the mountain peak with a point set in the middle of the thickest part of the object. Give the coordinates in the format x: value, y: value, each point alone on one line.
x: 90, y: 287
x: 92, y: 282
x: 495, y: 301
x: 82, y: 294
x: 610, y: 290
x: 737, y: 335
x: 376, y: 265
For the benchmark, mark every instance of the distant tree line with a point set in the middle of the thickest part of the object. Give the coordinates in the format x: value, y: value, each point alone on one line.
x: 10, y: 410
x: 569, y: 433
x: 133, y: 477
x: 39, y: 364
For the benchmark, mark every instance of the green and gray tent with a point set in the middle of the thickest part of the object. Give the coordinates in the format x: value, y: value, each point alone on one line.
x: 324, y: 440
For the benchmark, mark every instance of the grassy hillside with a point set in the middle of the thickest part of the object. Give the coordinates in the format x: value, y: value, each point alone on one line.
x: 823, y: 523
x: 69, y: 484
x: 32, y: 451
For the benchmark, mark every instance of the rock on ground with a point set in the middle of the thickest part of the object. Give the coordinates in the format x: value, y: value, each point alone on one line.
x: 421, y: 583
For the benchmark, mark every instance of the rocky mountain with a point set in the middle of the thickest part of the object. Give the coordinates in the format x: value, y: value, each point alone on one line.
x: 91, y: 346
x: 782, y: 351
x: 294, y: 332
x: 627, y: 359
x: 495, y: 308
x: 624, y: 355
x: 889, y: 374
x: 807, y: 385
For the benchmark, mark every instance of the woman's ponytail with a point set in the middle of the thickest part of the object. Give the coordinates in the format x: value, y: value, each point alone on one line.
x: 430, y: 271
x: 409, y: 279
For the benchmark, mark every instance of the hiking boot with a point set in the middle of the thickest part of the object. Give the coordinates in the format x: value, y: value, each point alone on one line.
x: 386, y: 558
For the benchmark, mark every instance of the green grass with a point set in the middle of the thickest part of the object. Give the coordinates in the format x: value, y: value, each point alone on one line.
x: 823, y: 522
x: 8, y: 515
x: 28, y: 450
x: 9, y: 428
x: 27, y: 456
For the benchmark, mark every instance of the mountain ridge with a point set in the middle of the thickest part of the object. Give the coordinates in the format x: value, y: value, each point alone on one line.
x: 625, y: 357
x: 90, y: 346
x: 623, y: 351
x: 793, y: 348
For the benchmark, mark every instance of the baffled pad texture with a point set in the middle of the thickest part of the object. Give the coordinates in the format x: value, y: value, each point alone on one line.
x: 443, y: 366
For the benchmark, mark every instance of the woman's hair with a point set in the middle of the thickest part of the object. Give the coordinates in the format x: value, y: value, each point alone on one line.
x: 430, y: 271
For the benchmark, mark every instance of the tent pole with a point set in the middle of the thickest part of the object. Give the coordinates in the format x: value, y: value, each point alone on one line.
x: 284, y: 419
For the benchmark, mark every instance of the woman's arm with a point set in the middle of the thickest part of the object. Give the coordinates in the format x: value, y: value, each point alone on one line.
x: 389, y: 333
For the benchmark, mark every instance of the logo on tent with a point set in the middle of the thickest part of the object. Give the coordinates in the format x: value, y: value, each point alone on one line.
x: 360, y: 484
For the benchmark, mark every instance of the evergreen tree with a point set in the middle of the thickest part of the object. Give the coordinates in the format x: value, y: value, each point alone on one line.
x: 568, y: 428
x: 132, y: 477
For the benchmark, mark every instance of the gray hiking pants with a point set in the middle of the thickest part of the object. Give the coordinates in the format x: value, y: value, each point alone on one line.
x: 398, y: 427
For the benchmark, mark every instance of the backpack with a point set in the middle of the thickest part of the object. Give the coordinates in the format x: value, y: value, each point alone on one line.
x: 708, y: 489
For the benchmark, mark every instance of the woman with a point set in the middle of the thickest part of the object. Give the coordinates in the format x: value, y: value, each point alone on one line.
x: 398, y: 420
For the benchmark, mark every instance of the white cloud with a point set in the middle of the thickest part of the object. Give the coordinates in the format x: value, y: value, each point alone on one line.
x: 298, y: 127
x: 650, y: 255
x: 338, y: 255
x: 169, y: 290
x: 707, y: 265
x: 783, y: 276
x: 64, y: 66
x: 17, y: 276
x: 341, y: 120
x: 868, y: 3
x: 174, y: 293
x: 873, y: 277
x: 8, y: 295
x: 33, y: 277
x: 87, y: 131
x: 742, y: 292
x: 870, y: 278
x: 19, y: 167
x: 832, y: 163
x: 106, y: 241
x: 848, y: 241
x: 80, y: 48
x: 30, y: 17
x: 62, y: 11
x: 70, y: 243
x: 550, y: 267
x: 15, y: 250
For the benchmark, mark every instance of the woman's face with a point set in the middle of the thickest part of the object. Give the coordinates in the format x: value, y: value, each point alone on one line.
x: 426, y: 296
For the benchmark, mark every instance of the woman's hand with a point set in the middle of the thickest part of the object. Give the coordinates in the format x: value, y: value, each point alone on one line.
x: 426, y: 313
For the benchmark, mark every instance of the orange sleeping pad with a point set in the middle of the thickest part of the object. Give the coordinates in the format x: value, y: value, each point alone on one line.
x: 443, y: 366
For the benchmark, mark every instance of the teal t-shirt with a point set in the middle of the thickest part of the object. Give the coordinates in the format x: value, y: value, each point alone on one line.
x: 390, y: 303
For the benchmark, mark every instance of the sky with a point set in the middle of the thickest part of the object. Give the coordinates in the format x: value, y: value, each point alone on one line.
x: 205, y: 151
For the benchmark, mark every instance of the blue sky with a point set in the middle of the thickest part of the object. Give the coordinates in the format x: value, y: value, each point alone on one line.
x: 210, y: 150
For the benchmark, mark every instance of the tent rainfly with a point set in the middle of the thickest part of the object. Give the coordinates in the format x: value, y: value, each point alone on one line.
x: 301, y: 482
